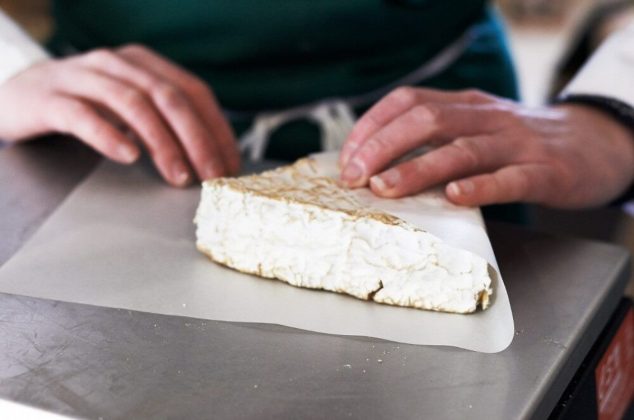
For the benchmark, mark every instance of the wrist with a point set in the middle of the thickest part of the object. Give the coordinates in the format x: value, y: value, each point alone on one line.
x: 613, y: 127
x: 617, y: 110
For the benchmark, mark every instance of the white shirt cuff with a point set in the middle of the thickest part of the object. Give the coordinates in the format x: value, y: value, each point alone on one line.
x: 18, y: 50
x: 610, y: 71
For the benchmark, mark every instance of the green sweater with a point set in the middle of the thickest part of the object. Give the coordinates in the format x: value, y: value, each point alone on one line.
x: 279, y: 53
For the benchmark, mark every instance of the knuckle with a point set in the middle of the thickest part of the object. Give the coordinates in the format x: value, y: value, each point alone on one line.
x: 404, y: 95
x: 168, y: 96
x: 135, y: 101
x: 72, y: 113
x: 133, y: 98
x: 522, y: 184
x: 467, y: 151
x: 476, y: 96
x: 369, y: 150
x: 100, y: 56
x: 502, y: 118
x: 510, y: 116
x: 133, y: 48
x: 377, y: 143
x: 419, y: 167
x: 351, y: 146
x: 372, y: 119
x: 94, y: 132
x: 194, y: 84
x: 426, y: 114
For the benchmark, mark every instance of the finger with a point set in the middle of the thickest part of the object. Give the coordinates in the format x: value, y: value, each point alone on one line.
x: 77, y: 118
x: 462, y: 157
x: 139, y: 113
x: 527, y: 183
x: 193, y: 134
x: 198, y: 93
x: 416, y: 127
x: 398, y: 102
x: 203, y: 152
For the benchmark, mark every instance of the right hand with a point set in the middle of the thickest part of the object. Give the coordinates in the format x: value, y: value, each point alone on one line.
x: 172, y: 113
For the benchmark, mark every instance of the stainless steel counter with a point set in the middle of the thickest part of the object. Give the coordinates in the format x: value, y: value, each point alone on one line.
x: 98, y: 362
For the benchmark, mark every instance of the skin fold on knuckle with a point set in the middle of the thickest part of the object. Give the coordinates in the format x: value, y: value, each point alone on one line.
x: 476, y: 96
x: 404, y: 97
x: 133, y: 49
x: 198, y: 89
x: 523, y: 186
x: 371, y: 120
x: 168, y: 97
x: 99, y: 57
x: 467, y: 154
x: 423, y: 172
x: 427, y: 116
x: 371, y: 155
x: 135, y: 102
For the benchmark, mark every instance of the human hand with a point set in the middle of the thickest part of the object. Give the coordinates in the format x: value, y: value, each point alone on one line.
x: 490, y: 150
x: 173, y: 114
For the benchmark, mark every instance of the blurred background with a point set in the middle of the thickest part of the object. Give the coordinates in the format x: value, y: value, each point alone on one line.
x: 550, y: 40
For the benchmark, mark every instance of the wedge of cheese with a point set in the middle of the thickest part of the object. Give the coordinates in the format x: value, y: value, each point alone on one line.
x: 302, y: 228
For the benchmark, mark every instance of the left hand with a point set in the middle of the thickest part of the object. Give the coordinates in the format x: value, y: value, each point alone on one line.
x: 490, y: 150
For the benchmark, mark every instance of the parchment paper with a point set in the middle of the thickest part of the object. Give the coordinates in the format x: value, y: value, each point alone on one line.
x: 124, y: 239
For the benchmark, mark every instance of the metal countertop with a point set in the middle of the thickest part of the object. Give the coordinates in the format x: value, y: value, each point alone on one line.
x: 107, y: 363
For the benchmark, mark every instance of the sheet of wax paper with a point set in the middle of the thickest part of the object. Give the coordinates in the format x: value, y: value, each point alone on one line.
x: 124, y: 239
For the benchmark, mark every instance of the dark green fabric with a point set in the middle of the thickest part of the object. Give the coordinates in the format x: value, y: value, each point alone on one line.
x: 274, y: 53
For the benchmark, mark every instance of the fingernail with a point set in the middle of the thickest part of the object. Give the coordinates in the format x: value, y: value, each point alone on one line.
x: 180, y: 173
x: 377, y: 183
x: 461, y: 188
x: 352, y: 172
x: 128, y: 153
x: 453, y: 188
x: 387, y: 180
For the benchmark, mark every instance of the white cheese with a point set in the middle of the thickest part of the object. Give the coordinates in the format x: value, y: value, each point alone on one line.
x: 294, y: 225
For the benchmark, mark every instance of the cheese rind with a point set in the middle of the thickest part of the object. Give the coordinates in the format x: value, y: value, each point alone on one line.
x: 294, y: 225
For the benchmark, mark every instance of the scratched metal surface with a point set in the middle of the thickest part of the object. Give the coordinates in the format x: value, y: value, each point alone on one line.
x: 97, y: 362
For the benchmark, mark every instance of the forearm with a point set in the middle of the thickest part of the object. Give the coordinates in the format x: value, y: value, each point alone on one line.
x: 17, y: 49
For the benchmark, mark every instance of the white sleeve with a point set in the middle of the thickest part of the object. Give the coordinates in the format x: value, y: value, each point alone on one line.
x: 610, y: 70
x: 17, y: 49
